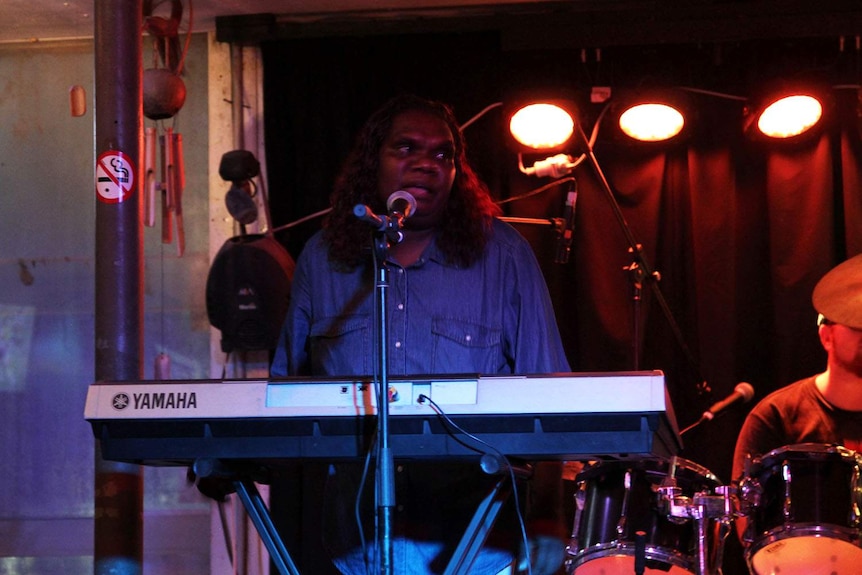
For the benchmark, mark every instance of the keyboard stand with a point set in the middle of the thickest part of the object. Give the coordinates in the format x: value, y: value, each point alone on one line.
x: 259, y: 515
x: 477, y: 532
x: 471, y: 542
x: 462, y: 560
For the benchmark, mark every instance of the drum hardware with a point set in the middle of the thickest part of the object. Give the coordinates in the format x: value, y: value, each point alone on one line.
x: 749, y: 495
x: 669, y: 492
x: 622, y: 523
x: 640, y: 552
x: 701, y: 508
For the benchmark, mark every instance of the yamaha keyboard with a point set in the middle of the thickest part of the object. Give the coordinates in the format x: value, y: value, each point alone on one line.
x: 571, y: 416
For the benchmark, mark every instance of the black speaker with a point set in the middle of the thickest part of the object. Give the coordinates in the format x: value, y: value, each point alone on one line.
x: 248, y: 289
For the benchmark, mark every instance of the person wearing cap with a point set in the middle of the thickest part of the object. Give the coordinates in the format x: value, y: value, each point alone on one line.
x: 825, y: 408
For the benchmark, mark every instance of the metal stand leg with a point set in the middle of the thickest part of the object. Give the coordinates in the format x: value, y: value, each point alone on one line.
x: 259, y: 514
x: 481, y: 524
x: 700, y: 524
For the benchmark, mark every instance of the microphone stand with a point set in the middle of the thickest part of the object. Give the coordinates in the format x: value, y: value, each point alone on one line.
x: 639, y: 270
x: 386, y: 234
x: 385, y: 463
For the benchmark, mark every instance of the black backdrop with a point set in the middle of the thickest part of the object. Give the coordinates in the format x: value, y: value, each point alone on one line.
x: 739, y: 231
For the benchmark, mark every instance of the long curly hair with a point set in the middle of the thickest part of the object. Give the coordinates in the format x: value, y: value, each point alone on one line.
x: 466, y: 225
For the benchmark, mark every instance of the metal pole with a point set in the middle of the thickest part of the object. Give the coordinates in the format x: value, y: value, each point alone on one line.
x: 237, y: 96
x: 118, y: 497
x: 385, y: 483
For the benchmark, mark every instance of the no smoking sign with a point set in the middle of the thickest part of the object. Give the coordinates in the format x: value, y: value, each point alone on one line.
x: 115, y: 177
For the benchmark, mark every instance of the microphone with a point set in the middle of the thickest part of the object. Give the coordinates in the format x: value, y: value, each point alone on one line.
x: 742, y: 392
x: 364, y: 213
x: 564, y: 242
x: 400, y: 206
x: 401, y: 203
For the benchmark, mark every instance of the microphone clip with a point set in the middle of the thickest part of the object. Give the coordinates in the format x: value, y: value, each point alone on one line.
x: 385, y: 226
x: 401, y: 206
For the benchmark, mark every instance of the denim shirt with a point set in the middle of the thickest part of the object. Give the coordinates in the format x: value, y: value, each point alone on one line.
x: 494, y: 317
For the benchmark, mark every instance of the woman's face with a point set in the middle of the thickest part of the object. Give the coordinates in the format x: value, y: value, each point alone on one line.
x: 418, y: 157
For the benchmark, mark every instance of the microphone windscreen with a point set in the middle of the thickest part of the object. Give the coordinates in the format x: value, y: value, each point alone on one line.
x: 745, y: 390
x: 396, y: 201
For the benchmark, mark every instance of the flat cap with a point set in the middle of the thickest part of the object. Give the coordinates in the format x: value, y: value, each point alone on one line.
x: 838, y: 294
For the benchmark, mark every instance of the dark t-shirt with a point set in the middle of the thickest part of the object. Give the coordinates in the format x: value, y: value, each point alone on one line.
x: 795, y: 414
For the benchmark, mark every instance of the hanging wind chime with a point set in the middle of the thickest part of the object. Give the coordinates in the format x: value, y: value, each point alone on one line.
x: 164, y: 94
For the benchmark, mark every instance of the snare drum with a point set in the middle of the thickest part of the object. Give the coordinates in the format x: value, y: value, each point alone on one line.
x: 803, y: 511
x: 616, y: 500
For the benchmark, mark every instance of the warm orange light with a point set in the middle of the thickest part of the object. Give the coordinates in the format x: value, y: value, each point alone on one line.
x: 790, y: 116
x: 541, y: 126
x: 651, y: 122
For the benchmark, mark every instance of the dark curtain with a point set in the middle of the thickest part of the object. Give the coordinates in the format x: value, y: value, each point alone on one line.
x: 739, y: 231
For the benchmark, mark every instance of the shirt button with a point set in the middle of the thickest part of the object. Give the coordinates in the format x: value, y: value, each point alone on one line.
x: 468, y: 337
x: 400, y: 468
x: 398, y: 344
x: 401, y: 270
x: 400, y: 306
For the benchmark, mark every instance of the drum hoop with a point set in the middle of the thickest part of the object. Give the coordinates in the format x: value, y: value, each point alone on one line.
x: 593, y: 469
x: 828, y: 531
x: 807, y: 449
x: 626, y: 549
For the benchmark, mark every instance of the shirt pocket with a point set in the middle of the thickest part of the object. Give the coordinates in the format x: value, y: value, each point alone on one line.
x: 466, y: 347
x: 341, y: 346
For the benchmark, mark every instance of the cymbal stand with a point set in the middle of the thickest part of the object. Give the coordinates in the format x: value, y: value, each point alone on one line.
x: 640, y: 270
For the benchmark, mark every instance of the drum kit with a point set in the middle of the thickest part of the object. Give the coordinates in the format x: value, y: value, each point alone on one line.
x: 797, y: 510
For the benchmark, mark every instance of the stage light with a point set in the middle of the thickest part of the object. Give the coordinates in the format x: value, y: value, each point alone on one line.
x: 790, y: 116
x: 651, y: 122
x: 652, y: 114
x: 542, y: 126
x: 788, y: 112
x: 538, y: 126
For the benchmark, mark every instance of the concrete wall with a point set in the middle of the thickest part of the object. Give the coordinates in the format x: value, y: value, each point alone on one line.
x: 47, y: 254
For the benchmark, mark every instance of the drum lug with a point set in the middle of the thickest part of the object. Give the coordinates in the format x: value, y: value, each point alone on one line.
x: 855, y: 494
x: 787, y: 475
x: 627, y: 486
